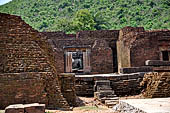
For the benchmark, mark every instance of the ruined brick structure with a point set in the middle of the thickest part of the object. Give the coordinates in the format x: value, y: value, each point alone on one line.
x: 135, y: 46
x: 122, y: 84
x: 106, y: 50
x: 156, y: 85
x: 30, y: 61
x: 98, y: 50
x: 27, y: 66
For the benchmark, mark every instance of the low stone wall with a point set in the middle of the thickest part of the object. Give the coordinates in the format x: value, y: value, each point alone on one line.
x: 157, y: 63
x: 122, y: 84
x: 84, y: 86
x: 135, y: 69
x: 67, y: 84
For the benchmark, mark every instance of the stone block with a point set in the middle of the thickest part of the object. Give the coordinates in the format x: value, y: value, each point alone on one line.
x: 135, y: 69
x: 25, y: 108
x: 157, y: 63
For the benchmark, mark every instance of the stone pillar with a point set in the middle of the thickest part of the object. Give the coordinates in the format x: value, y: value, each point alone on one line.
x: 86, y: 61
x: 68, y: 62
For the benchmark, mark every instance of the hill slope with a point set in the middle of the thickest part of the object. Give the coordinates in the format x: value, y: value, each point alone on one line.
x: 74, y: 15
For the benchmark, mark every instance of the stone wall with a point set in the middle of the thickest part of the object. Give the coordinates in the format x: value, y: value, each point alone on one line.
x: 122, y: 84
x: 135, y: 46
x: 27, y: 63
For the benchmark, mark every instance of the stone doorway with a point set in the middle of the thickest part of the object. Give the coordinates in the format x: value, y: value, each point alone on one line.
x: 77, y: 60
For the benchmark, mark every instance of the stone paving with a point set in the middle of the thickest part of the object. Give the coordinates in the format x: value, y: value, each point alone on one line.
x: 154, y: 105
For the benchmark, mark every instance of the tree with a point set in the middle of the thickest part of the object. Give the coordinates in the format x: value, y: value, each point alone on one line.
x: 101, y: 20
x: 63, y: 24
x: 83, y: 20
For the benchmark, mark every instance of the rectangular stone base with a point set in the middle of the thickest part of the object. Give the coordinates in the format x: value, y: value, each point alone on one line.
x: 25, y: 108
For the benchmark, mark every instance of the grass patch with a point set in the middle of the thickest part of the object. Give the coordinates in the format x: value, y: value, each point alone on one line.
x: 90, y: 108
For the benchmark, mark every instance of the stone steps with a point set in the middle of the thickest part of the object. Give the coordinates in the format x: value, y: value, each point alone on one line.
x: 111, y: 103
x: 105, y: 94
x: 108, y: 99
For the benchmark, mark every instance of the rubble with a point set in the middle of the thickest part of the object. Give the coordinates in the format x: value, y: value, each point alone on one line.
x: 156, y: 85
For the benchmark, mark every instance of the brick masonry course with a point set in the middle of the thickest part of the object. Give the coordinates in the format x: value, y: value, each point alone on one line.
x: 122, y: 84
x: 32, y: 60
x: 156, y: 85
x: 101, y: 44
x: 135, y: 46
x: 27, y: 66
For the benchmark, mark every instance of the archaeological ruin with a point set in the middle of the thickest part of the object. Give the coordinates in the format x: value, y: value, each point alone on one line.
x: 52, y: 68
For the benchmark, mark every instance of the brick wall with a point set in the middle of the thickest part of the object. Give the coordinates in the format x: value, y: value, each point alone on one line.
x: 30, y: 87
x: 100, y: 43
x: 101, y: 58
x: 122, y: 84
x: 27, y: 63
x: 67, y: 83
x: 135, y: 46
x: 156, y: 85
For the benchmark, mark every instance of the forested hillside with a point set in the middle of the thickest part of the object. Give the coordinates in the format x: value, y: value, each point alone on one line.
x: 74, y: 15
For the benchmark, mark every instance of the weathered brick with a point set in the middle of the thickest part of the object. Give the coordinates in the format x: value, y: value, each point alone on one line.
x: 27, y: 66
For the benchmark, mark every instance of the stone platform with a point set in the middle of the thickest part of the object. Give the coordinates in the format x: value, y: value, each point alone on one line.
x: 122, y: 84
x: 155, y: 105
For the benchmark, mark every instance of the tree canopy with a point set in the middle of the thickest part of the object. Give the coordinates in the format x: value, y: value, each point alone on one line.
x: 74, y: 15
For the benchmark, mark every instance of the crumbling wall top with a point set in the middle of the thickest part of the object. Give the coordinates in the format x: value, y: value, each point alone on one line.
x: 99, y: 34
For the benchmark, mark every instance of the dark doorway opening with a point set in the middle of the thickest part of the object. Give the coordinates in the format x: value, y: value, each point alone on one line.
x: 165, y: 56
x: 115, y: 62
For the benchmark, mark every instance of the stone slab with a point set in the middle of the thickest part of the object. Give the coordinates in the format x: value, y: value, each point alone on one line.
x: 157, y: 63
x: 25, y: 108
x: 107, y: 75
x: 128, y: 70
x: 154, y: 105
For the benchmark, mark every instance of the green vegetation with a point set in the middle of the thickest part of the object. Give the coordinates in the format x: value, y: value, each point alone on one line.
x: 90, y: 108
x: 74, y: 15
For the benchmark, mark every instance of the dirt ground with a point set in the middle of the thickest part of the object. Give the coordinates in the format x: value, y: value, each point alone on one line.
x: 93, y: 106
x: 90, y: 106
x: 140, y: 96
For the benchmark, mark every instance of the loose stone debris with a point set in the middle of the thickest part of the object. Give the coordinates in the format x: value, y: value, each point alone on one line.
x: 154, y: 105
